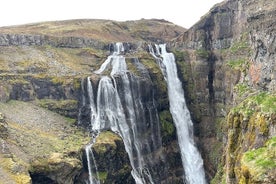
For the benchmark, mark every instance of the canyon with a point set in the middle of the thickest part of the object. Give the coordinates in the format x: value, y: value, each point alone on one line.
x: 226, y: 65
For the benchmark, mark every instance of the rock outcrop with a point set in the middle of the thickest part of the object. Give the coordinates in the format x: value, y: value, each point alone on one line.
x: 228, y: 57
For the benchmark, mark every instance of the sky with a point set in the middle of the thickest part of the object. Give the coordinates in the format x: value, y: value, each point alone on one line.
x: 184, y: 13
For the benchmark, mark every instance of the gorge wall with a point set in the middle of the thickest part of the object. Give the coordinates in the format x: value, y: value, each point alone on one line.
x: 228, y: 64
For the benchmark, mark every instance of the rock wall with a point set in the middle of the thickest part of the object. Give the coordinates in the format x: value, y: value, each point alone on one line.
x: 40, y: 40
x: 225, y: 58
x: 147, y: 86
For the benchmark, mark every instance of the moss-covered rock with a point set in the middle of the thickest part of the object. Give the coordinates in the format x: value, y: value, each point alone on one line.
x: 259, y: 165
x: 64, y: 107
x: 111, y: 158
x: 168, y: 129
x: 250, y: 125
x: 59, y: 167
x: 159, y: 84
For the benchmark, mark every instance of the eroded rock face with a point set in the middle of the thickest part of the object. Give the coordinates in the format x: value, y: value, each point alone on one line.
x: 40, y: 40
x: 58, y: 168
x: 156, y: 139
x: 112, y: 161
x: 226, y: 56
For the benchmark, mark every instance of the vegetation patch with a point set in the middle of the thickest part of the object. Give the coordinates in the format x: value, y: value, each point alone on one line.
x: 241, y: 89
x: 15, y: 168
x: 263, y: 102
x: 102, y: 175
x: 239, y: 46
x: 63, y: 107
x: 168, y: 129
x: 257, y: 163
x: 236, y: 64
x: 106, y: 140
x: 180, y: 55
x: 204, y: 54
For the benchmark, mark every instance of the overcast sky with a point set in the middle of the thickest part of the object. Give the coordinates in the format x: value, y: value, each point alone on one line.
x: 181, y: 12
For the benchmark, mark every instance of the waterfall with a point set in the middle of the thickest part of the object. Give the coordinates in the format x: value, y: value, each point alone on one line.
x: 91, y: 162
x: 191, y: 158
x: 93, y: 176
x: 118, y: 106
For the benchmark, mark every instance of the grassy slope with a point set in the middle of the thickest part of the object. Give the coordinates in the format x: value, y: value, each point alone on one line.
x: 103, y: 30
x: 34, y: 133
x: 47, y: 60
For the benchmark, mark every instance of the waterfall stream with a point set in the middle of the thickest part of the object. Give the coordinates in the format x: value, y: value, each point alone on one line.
x: 123, y: 105
x: 118, y: 107
x: 93, y: 176
x: 191, y: 158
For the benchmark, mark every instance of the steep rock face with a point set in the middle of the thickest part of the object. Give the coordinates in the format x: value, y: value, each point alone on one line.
x: 249, y: 129
x: 111, y: 159
x: 225, y: 58
x: 162, y: 162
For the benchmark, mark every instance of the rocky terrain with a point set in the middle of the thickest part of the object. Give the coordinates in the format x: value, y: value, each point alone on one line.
x: 226, y: 62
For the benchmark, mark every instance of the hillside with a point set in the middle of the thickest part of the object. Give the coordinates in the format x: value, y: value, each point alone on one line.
x: 106, y: 31
x: 73, y: 47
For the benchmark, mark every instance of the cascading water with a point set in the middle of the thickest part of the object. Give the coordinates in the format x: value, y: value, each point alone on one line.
x: 191, y: 158
x: 93, y: 176
x: 118, y: 107
x: 92, y: 172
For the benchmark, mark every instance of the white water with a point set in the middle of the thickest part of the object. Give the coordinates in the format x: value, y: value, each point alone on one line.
x: 93, y: 176
x: 191, y: 158
x: 91, y: 161
x: 110, y: 113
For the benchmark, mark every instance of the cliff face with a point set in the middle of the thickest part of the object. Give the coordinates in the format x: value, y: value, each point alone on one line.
x: 228, y: 66
x: 44, y: 66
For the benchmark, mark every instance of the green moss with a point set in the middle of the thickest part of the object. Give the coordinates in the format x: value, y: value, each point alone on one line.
x: 167, y: 126
x: 219, y: 177
x: 263, y: 102
x: 76, y: 83
x: 241, y: 89
x: 180, y: 55
x: 131, y: 67
x: 14, y: 79
x: 15, y: 168
x: 239, y: 46
x: 57, y: 80
x: 236, y: 64
x: 63, y: 107
x: 104, y: 141
x: 54, y: 163
x: 102, y: 175
x: 204, y: 54
x: 260, y: 161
